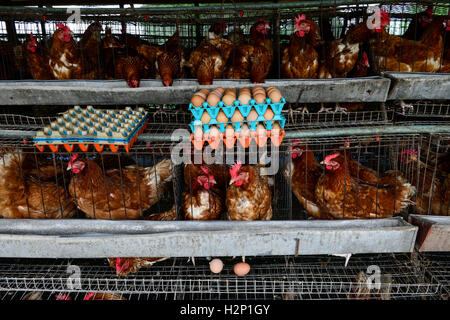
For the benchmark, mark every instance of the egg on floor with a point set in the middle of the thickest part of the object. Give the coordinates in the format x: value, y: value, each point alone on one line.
x: 237, y: 116
x: 216, y: 266
x: 241, y: 268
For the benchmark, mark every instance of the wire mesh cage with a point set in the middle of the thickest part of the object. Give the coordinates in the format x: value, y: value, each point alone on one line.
x: 41, y: 172
x: 379, y: 277
x: 335, y: 23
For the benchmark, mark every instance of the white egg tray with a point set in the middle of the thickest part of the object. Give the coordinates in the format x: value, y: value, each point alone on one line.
x: 90, y: 126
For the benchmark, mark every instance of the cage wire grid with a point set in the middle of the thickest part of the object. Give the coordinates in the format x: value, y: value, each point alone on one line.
x: 158, y: 27
x: 279, y: 278
x: 379, y: 152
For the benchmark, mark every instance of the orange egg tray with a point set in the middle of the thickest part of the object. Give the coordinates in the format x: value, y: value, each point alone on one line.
x: 230, y: 140
x: 84, y: 146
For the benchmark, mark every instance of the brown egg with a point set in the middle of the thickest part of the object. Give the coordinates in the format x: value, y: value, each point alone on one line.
x: 197, y: 100
x: 268, y: 115
x: 216, y: 265
x: 219, y: 89
x: 246, y: 90
x: 228, y: 99
x: 205, y: 92
x: 259, y: 98
x: 221, y: 117
x: 237, y: 116
x: 255, y: 92
x: 244, y: 98
x: 206, y: 118
x: 241, y: 268
x: 213, y: 99
x: 230, y: 91
x: 253, y: 115
x: 257, y: 88
x: 275, y: 96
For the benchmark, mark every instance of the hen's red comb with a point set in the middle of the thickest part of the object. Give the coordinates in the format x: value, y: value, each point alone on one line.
x: 384, y: 18
x: 332, y: 156
x: 74, y: 157
x: 300, y: 18
x: 205, y: 170
x: 235, y: 168
x: 62, y: 296
x: 89, y: 296
x: 61, y: 26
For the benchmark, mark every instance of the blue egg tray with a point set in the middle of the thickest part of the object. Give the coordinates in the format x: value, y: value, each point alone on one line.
x: 268, y: 124
x: 229, y: 110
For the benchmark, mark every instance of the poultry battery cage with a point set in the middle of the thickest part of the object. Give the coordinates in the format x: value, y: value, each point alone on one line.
x: 378, y: 152
x: 309, y: 278
x: 375, y: 136
x: 157, y: 25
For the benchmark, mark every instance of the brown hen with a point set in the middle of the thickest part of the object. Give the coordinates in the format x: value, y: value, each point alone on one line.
x: 341, y: 197
x: 248, y: 196
x: 117, y: 194
x: 25, y: 196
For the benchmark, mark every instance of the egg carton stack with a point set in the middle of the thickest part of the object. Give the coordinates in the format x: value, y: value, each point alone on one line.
x: 89, y: 126
x: 222, y: 116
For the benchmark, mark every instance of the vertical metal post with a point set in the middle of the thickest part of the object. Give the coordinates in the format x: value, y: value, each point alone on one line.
x: 42, y: 22
x: 276, y: 38
x: 198, y: 35
x: 11, y: 30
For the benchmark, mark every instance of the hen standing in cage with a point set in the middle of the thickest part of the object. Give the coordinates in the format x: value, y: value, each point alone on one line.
x: 207, y: 62
x: 122, y: 193
x: 31, y: 188
x: 393, y: 53
x: 340, y: 196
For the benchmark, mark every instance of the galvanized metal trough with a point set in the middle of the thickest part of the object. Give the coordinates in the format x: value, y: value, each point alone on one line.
x: 113, y: 92
x: 418, y: 86
x: 74, y: 238
x: 434, y: 232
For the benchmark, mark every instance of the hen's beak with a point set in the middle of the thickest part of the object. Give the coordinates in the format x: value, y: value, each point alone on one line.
x: 322, y: 162
x: 69, y: 166
x: 233, y: 180
x: 213, y: 181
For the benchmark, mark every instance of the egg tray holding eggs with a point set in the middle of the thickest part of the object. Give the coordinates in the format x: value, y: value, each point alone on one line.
x: 260, y: 108
x: 230, y: 139
x: 237, y: 125
x: 97, y: 127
